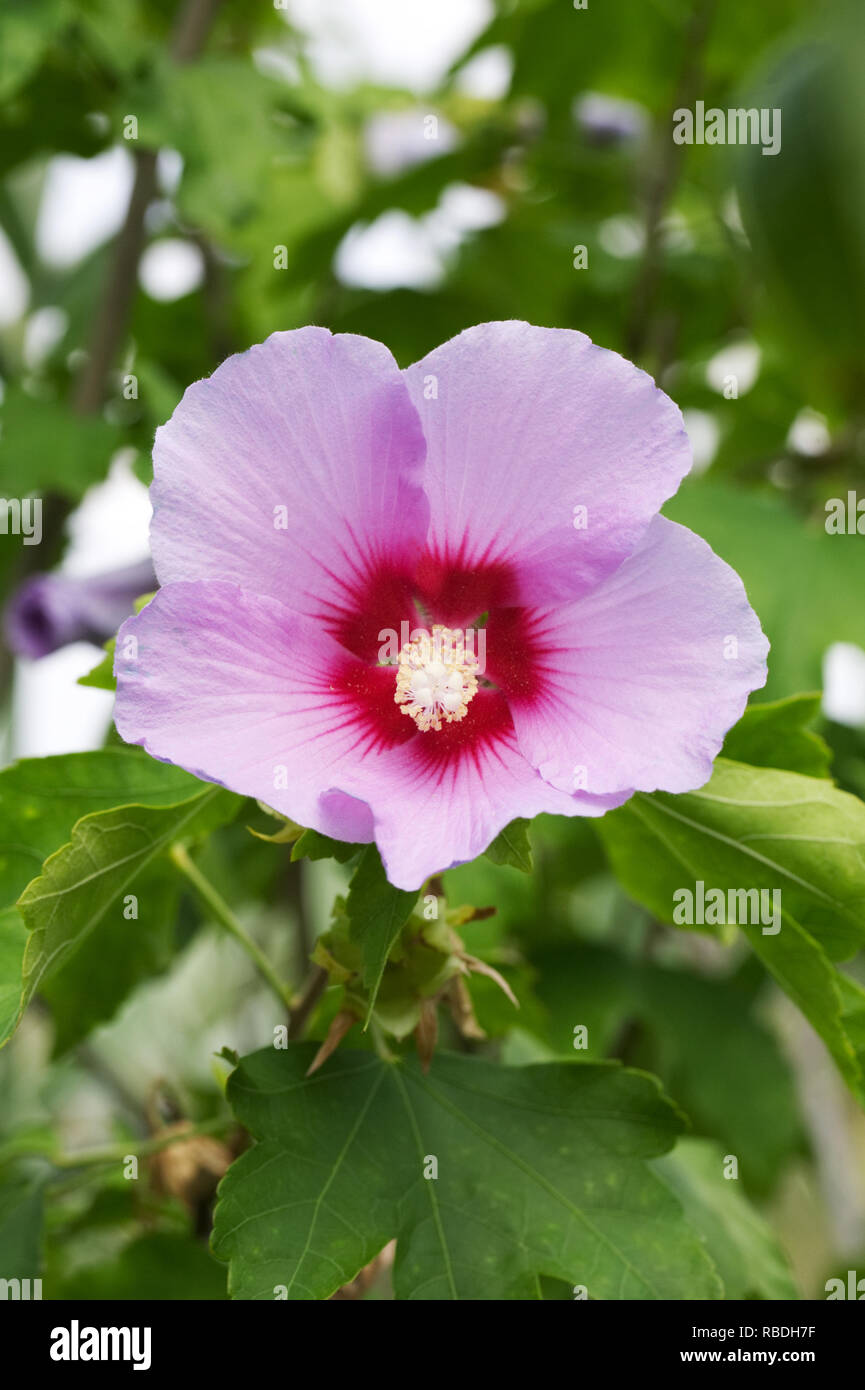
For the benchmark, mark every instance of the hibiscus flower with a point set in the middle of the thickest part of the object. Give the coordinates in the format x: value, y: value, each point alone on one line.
x: 410, y: 606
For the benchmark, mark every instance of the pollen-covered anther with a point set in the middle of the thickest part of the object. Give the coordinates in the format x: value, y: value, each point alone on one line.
x: 437, y: 677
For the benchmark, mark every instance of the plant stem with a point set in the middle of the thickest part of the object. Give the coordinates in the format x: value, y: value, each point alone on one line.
x: 379, y: 1043
x: 306, y: 1002
x: 116, y: 1153
x: 192, y: 28
x: 109, y: 323
x: 224, y: 915
x: 112, y: 313
x: 664, y: 169
x: 294, y: 895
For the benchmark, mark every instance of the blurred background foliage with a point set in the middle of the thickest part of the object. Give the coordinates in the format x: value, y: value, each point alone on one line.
x: 273, y: 173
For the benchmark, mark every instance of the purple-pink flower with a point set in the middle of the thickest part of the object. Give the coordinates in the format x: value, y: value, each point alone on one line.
x: 48, y: 611
x: 412, y: 606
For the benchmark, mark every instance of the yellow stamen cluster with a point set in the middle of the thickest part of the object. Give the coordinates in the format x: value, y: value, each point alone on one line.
x: 436, y: 677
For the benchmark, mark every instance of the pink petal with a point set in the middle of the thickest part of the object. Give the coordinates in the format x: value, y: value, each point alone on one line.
x: 321, y: 426
x: 238, y: 689
x: 524, y: 425
x: 241, y: 691
x: 635, y: 685
x: 444, y: 796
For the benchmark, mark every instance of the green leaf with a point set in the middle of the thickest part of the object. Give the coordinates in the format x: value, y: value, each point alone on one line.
x: 702, y: 1037
x: 377, y: 913
x: 40, y: 801
x: 222, y: 115
x: 26, y: 29
x: 512, y: 846
x: 13, y: 940
x: 21, y: 1206
x: 833, y: 1004
x: 119, y: 953
x: 312, y: 845
x: 102, y: 676
x: 775, y: 734
x: 583, y: 986
x: 852, y: 996
x: 48, y: 448
x: 90, y: 875
x: 541, y: 1170
x: 762, y: 828
x: 287, y: 834
x: 42, y: 798
x: 805, y: 212
x: 560, y: 50
x: 739, y: 1241
x: 159, y: 1265
x: 722, y: 1065
x: 750, y: 827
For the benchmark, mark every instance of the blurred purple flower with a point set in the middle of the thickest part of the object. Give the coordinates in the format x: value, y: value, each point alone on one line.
x: 605, y: 120
x: 49, y: 611
x: 395, y: 141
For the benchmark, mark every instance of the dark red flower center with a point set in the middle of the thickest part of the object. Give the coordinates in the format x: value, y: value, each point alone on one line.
x: 392, y: 602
